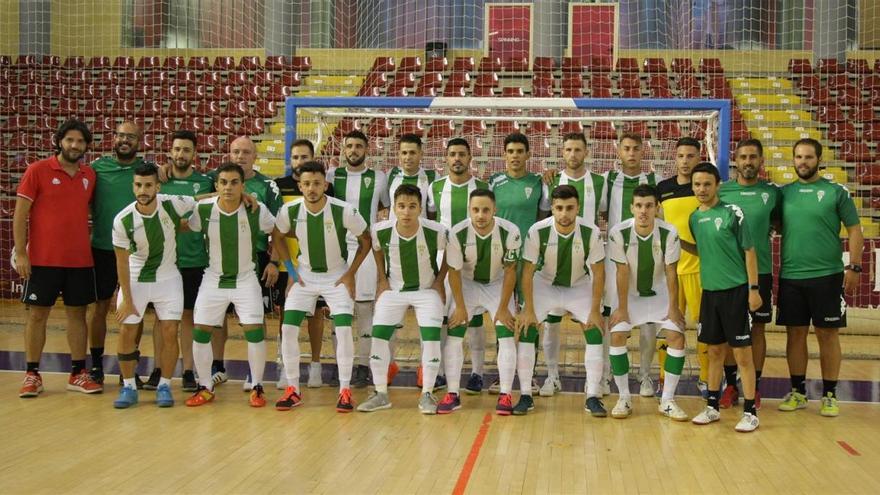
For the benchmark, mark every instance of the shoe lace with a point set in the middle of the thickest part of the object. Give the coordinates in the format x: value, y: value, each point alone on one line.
x: 448, y: 399
x: 505, y: 400
x: 31, y: 379
x: 345, y: 396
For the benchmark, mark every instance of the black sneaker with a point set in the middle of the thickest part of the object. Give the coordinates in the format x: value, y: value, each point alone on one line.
x: 440, y: 382
x: 189, y: 381
x: 595, y: 407
x: 152, y: 382
x: 360, y: 376
x: 97, y: 374
x: 525, y: 404
x: 137, y: 381
x: 474, y: 385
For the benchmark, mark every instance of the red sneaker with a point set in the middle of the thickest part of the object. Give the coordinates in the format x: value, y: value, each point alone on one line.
x: 729, y: 397
x: 82, y: 382
x: 393, y: 368
x: 419, y: 376
x: 32, y: 385
x: 200, y: 398
x: 289, y: 400
x: 258, y: 398
x: 345, y: 404
x: 504, y: 406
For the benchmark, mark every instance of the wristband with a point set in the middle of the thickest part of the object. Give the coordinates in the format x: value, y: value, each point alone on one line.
x: 291, y: 271
x: 754, y: 287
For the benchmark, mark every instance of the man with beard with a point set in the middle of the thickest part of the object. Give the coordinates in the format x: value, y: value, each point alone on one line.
x: 409, y: 170
x: 812, y: 278
x: 59, y: 184
x: 366, y: 190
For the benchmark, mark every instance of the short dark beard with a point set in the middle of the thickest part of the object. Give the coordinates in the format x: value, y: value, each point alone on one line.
x: 356, y: 164
x: 69, y: 159
x: 125, y: 156
x: 815, y: 171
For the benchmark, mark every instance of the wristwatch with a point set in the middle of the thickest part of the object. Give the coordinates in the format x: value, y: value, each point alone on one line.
x: 754, y: 287
x: 277, y: 264
x: 853, y: 268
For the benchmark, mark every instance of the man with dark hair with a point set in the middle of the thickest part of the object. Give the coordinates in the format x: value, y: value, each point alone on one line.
x: 52, y: 210
x: 409, y: 170
x: 813, y: 279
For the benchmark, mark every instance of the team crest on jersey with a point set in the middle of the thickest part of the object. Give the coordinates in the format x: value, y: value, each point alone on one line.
x: 656, y: 247
x: 56, y: 181
x: 528, y: 191
x: 85, y: 183
x: 422, y: 250
x: 328, y: 225
x: 196, y: 187
x: 765, y: 197
x: 820, y: 194
x: 368, y: 181
x: 718, y: 222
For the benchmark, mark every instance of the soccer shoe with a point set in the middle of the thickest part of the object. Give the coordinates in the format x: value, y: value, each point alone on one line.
x: 594, y: 406
x: 451, y: 402
x: 729, y: 397
x: 188, y: 381
x: 829, y: 407
x: 757, y: 400
x: 82, y: 382
x: 551, y: 386
x: 247, y: 386
x: 646, y: 388
x: 440, y: 382
x: 219, y: 377
x: 474, y: 385
x: 201, y: 397
x: 163, y: 396
x: 703, y: 389
x: 257, y: 398
x: 708, y: 415
x: 393, y: 369
x: 127, y: 398
x: 623, y: 409
x: 97, y: 374
x: 289, y: 400
x: 428, y: 403
x: 419, y: 376
x: 495, y: 387
x: 152, y: 382
x: 375, y: 402
x: 32, y: 385
x: 345, y: 404
x: 360, y: 376
x: 748, y: 422
x: 315, y: 380
x: 525, y: 404
x: 793, y: 401
x: 504, y: 407
x: 671, y: 410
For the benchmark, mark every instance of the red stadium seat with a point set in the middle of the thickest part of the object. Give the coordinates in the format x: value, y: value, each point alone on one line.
x: 301, y: 63
x: 380, y: 127
x: 855, y: 151
x: 597, y: 81
x: 149, y: 62
x: 515, y: 65
x: 150, y: 108
x: 473, y: 128
x: 599, y: 63
x: 630, y: 93
x: 250, y: 63
x: 123, y: 63
x: 690, y: 92
x: 639, y: 128
x: 148, y: 142
x: 208, y: 108
x: 222, y: 125
x: 659, y: 92
x: 570, y: 127
x: 383, y: 64
x: 868, y: 173
x: 544, y: 65
x: 208, y: 143
x: 237, y: 78
x: 841, y: 131
x: 174, y: 63
x: 542, y: 91
x: 602, y: 130
x: 667, y: 129
x: 124, y: 108
x: 858, y: 66
x: 654, y: 65
x: 627, y: 65
x: 196, y: 123
x: 251, y: 92
x: 829, y: 66
x: 629, y: 81
x: 278, y: 92
x: 848, y: 96
x: 223, y: 63
x: 862, y: 114
x: 252, y: 127
x: 489, y: 79
x: 291, y: 79
x: 578, y: 92
x: 829, y: 113
x: 512, y: 92
x: 161, y: 125
x: 818, y: 96
x: 99, y: 63
x: 463, y: 64
x: 490, y: 64
x: 66, y: 108
x: 572, y: 65
x: 411, y: 126
x: 15, y: 123
x: 75, y: 62
x: 658, y: 81
x: 871, y: 132
x: 682, y: 66
x: 265, y: 109
x: 277, y: 63
x: 800, y: 66
x: 186, y: 76
x: 711, y: 66
x: 198, y: 63
x: 505, y: 127
x: 437, y: 64
x: 441, y: 129
x: 870, y: 82
x: 483, y: 91
x: 835, y: 82
x: 600, y: 92
x: 809, y: 82
x: 539, y: 127
x: 410, y: 64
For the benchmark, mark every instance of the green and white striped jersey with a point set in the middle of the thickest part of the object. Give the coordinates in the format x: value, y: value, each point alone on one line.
x: 321, y: 236
x: 450, y: 201
x: 363, y: 190
x: 231, y: 239
x: 591, y: 193
x: 646, y: 257
x: 423, y: 180
x: 482, y: 259
x: 619, y: 193
x: 563, y: 260
x: 410, y: 263
x: 151, y: 240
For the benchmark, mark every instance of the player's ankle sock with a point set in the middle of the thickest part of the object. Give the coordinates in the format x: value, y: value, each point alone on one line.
x: 550, y: 342
x: 202, y: 356
x: 799, y: 383
x: 76, y: 366
x: 33, y: 367
x: 97, y: 356
x: 217, y: 364
x: 506, y: 363
x: 380, y: 355
x: 673, y: 366
x: 749, y: 406
x: 431, y: 364
x: 344, y: 353
x: 757, y: 379
x: 129, y: 383
x: 164, y: 381
x: 712, y: 399
x: 829, y: 386
x: 256, y: 354
x: 290, y: 353
x: 454, y: 353
x: 620, y: 369
x: 730, y: 375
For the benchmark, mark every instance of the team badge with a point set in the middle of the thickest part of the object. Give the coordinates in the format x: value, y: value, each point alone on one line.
x: 718, y: 222
x: 528, y: 192
x: 368, y: 181
x: 85, y: 183
x: 820, y: 194
x: 765, y: 197
x: 56, y: 182
x: 196, y: 187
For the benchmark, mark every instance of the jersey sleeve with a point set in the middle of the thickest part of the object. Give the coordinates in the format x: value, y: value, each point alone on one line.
x: 615, y: 247
x: 273, y: 197
x: 454, y: 256
x: 741, y: 226
x: 120, y: 238
x: 29, y: 187
x: 442, y: 236
x: 846, y: 208
x: 544, y: 204
x: 195, y: 221
x: 353, y: 221
x: 282, y: 220
x: 432, y: 207
x: 384, y: 196
x: 673, y: 248
x: 183, y: 205
x: 530, y: 248
x: 514, y: 243
x: 267, y: 219
x: 597, y: 250
x: 374, y: 233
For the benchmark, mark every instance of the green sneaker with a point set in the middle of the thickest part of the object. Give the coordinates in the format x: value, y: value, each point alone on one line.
x: 829, y: 406
x: 793, y: 401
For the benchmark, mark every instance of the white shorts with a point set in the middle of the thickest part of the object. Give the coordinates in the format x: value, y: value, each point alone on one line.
x: 303, y: 297
x: 392, y: 305
x: 479, y: 298
x: 166, y: 296
x: 648, y: 310
x: 211, y: 303
x: 365, y: 278
x: 551, y: 299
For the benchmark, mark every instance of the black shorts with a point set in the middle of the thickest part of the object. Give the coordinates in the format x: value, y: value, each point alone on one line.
x: 818, y: 300
x: 192, y: 280
x: 279, y: 293
x: 764, y: 314
x: 76, y: 286
x: 106, y: 279
x: 724, y: 317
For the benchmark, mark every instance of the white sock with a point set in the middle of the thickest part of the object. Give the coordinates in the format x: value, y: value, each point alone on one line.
x: 622, y: 381
x: 379, y: 364
x: 593, y: 365
x: 290, y: 353
x: 525, y: 366
x: 671, y: 380
x: 506, y: 364
x: 647, y: 348
x: 164, y: 381
x: 130, y: 383
x: 431, y: 364
x: 454, y: 353
x: 444, y: 333
x: 477, y: 344
x: 344, y: 355
x: 257, y: 361
x: 363, y: 325
x: 551, y: 343
x: 203, y: 354
x: 606, y: 364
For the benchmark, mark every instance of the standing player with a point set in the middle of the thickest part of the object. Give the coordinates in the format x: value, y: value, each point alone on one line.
x: 678, y: 202
x: 729, y: 277
x: 563, y: 272
x: 761, y: 202
x: 646, y: 251
x: 410, y: 171
x: 813, y: 279
x: 482, y: 253
x: 145, y: 239
x: 52, y: 252
x: 365, y: 189
x: 232, y: 234
x: 406, y: 259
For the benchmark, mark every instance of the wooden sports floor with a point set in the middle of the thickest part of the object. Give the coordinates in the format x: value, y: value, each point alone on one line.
x: 65, y: 442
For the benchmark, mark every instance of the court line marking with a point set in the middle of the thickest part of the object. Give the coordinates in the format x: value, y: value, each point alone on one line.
x: 848, y: 448
x: 465, y: 475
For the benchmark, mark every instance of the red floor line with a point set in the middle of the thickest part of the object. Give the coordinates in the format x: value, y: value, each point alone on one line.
x: 465, y: 475
x: 848, y: 448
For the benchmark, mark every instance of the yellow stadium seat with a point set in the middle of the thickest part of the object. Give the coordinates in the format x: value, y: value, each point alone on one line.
x: 277, y: 128
x: 762, y: 100
x: 778, y: 152
x: 270, y: 146
x: 869, y: 228
x: 778, y: 116
x: 835, y: 174
x: 782, y: 175
x: 272, y: 167
x: 759, y: 83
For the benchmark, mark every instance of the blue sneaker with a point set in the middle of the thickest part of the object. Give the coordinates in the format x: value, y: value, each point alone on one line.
x: 163, y: 396
x: 474, y: 385
x: 127, y: 398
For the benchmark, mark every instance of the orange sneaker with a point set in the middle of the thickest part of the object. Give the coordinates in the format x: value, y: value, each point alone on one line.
x: 82, y: 382
x: 200, y: 398
x: 345, y: 404
x: 289, y: 400
x: 393, y: 368
x: 419, y: 376
x: 32, y: 385
x: 258, y: 399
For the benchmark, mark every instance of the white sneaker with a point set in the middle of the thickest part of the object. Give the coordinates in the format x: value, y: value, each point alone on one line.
x: 647, y: 387
x: 495, y: 387
x: 670, y: 409
x: 551, y: 386
x: 622, y: 409
x: 709, y: 415
x: 247, y: 386
x: 315, y: 376
x: 749, y: 422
